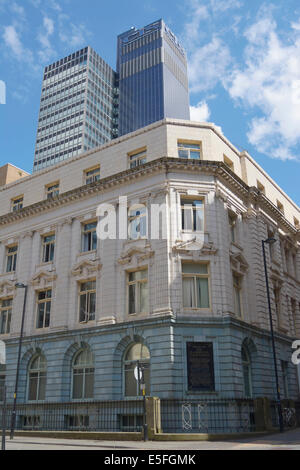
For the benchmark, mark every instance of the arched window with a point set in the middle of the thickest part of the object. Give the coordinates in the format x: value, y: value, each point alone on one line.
x: 137, y: 355
x: 83, y: 375
x: 37, y: 378
x: 247, y: 373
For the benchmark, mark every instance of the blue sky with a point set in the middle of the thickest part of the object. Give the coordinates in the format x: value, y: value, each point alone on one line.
x: 244, y: 67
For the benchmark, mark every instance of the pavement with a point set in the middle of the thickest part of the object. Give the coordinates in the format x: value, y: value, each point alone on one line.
x: 289, y: 440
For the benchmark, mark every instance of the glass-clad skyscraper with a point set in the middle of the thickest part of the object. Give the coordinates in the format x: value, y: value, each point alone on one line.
x: 78, y: 109
x: 152, y: 72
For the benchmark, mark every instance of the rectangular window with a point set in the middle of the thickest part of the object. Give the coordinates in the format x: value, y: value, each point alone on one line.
x: 52, y: 190
x: 284, y: 370
x: 89, y: 237
x: 195, y: 277
x: 92, y: 175
x: 280, y: 207
x: 11, y: 258
x: 48, y: 244
x: 192, y: 214
x: 228, y: 162
x: 43, y: 308
x: 232, y: 226
x: 276, y: 292
x: 17, y: 203
x: 5, y: 316
x: 237, y: 291
x: 137, y: 158
x: 200, y: 366
x: 87, y: 301
x: 189, y: 150
x: 137, y: 288
x: 261, y: 187
x: 293, y: 307
x: 137, y: 220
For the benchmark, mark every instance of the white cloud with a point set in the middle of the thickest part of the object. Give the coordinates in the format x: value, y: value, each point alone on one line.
x: 12, y: 41
x: 200, y: 112
x: 208, y: 59
x: 269, y: 83
x: 208, y: 64
x: 74, y: 35
x: 43, y: 37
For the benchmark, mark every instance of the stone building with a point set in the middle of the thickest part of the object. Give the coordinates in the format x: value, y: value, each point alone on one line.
x: 188, y: 301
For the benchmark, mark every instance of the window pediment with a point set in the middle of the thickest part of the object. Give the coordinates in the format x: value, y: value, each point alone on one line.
x: 138, y: 250
x: 43, y: 278
x: 238, y: 262
x: 86, y: 268
x: 6, y: 288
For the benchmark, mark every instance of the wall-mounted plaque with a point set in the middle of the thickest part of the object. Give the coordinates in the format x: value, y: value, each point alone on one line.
x: 200, y: 367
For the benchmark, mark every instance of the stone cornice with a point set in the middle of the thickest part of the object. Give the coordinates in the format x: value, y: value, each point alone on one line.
x: 163, y: 164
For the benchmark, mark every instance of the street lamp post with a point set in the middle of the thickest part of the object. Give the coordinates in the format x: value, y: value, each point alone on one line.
x: 270, y: 241
x: 13, y: 416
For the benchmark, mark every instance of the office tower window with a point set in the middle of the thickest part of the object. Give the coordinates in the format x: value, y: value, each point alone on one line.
x: 192, y: 214
x: 5, y: 315
x: 237, y: 295
x: 37, y: 379
x: 92, y: 175
x: 11, y: 258
x: 52, y: 190
x: 152, y: 73
x: 43, y: 308
x: 195, y: 284
x: 48, y: 247
x: 87, y: 301
x: 138, y: 292
x: 77, y: 108
x: 189, y: 150
x: 83, y: 375
x: 137, y: 158
x: 89, y: 237
x: 17, y: 204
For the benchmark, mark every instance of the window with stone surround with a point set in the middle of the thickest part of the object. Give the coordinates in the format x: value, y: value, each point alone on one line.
x: 11, y: 258
x: 17, y: 203
x: 189, y: 150
x: 237, y: 295
x: 37, y: 379
x: 192, y: 214
x: 87, y: 301
x: 5, y: 315
x: 195, y: 285
x: 92, y: 175
x: 83, y: 375
x: 44, y: 298
x: 137, y: 158
x: 232, y: 220
x: 89, y: 236
x: 52, y: 190
x: 138, y: 291
x: 48, y: 247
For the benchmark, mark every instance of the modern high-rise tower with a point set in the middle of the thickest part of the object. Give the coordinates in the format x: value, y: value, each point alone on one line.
x: 152, y: 71
x: 85, y: 103
x: 77, y: 110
